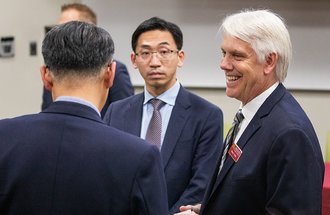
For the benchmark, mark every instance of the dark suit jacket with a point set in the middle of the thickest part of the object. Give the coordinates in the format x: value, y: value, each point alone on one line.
x: 191, y: 144
x: 121, y: 88
x: 281, y: 167
x: 66, y: 161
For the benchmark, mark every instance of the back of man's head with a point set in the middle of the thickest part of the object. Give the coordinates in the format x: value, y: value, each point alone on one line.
x: 77, y: 49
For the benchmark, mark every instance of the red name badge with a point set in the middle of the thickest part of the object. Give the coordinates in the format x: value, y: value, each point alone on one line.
x: 235, y: 152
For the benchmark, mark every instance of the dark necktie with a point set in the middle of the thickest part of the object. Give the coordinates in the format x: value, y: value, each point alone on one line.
x: 231, y: 135
x: 155, y: 126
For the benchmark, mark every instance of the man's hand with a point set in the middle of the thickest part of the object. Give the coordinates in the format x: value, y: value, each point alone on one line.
x: 189, y: 209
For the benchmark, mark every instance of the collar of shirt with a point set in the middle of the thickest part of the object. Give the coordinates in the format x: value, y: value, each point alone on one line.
x: 168, y: 96
x: 251, y: 108
x: 78, y: 100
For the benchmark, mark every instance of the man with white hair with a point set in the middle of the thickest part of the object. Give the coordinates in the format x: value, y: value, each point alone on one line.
x: 272, y: 162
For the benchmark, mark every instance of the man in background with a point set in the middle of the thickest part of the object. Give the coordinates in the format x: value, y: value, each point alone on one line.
x: 189, y: 129
x: 122, y: 86
x: 274, y: 164
x: 66, y: 160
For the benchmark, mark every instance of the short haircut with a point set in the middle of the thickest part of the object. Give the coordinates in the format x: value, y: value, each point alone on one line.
x: 156, y: 23
x: 266, y: 32
x: 77, y: 48
x: 86, y: 13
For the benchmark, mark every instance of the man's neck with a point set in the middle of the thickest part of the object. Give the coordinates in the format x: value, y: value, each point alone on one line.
x: 95, y: 95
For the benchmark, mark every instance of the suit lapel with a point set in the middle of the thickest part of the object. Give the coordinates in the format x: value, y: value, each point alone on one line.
x: 248, y: 133
x: 133, y: 115
x: 179, y: 116
x: 252, y: 128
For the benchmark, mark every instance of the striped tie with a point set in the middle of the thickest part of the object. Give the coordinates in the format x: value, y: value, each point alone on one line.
x: 231, y: 135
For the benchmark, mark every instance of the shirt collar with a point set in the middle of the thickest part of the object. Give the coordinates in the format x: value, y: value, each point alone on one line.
x: 251, y: 108
x: 168, y: 96
x: 77, y: 100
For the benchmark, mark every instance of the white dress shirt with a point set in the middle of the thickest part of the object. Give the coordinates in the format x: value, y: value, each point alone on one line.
x: 251, y: 108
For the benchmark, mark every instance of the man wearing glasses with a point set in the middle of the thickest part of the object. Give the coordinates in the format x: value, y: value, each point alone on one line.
x: 187, y: 129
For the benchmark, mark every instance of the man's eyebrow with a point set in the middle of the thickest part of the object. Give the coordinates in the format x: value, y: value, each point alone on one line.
x: 160, y: 44
x: 145, y: 46
x: 237, y: 52
x: 164, y: 43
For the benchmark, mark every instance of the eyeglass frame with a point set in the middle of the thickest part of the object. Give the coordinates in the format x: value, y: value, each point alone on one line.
x: 158, y: 54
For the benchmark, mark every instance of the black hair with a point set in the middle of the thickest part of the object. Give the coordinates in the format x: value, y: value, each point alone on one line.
x: 156, y: 23
x: 77, y: 47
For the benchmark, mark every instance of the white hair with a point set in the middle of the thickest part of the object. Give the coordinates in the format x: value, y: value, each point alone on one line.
x: 266, y: 32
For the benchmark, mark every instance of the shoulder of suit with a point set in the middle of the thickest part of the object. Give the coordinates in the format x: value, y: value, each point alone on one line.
x: 196, y: 99
x: 131, y: 99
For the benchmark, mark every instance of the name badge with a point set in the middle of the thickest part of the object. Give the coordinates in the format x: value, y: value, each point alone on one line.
x: 235, y: 152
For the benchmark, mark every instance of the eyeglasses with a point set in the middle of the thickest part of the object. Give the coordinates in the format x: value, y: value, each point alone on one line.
x: 163, y: 54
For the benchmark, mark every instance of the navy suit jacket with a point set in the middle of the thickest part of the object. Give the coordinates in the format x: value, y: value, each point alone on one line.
x: 121, y: 88
x: 280, y: 170
x: 67, y: 161
x: 191, y: 145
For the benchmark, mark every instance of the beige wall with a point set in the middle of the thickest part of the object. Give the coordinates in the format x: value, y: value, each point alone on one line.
x: 20, y: 85
x: 308, y: 23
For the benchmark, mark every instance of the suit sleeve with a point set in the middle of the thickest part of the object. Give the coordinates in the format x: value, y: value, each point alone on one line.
x: 295, y: 175
x: 149, y: 195
x: 205, y: 158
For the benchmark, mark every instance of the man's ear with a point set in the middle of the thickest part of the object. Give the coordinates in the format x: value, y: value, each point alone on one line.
x: 270, y: 63
x: 46, y: 77
x: 181, y: 58
x: 110, y: 74
x: 133, y: 60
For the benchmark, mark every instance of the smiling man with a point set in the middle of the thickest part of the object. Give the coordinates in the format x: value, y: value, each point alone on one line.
x: 274, y: 164
x: 187, y: 129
